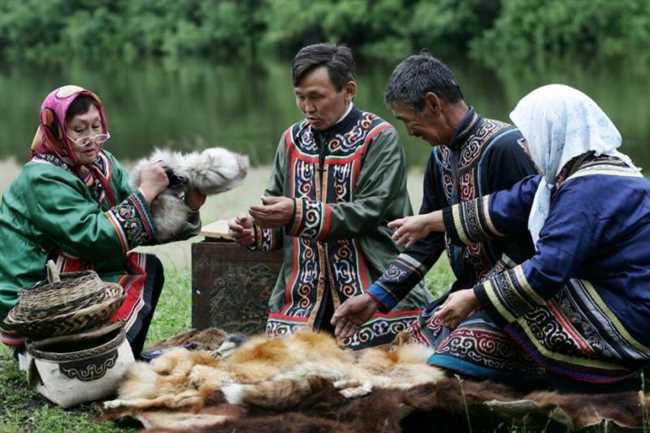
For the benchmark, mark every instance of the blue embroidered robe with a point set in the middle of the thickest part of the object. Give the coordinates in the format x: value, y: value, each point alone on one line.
x: 580, y: 306
x: 483, y: 156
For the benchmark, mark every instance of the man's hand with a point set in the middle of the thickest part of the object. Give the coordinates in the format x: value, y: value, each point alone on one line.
x: 412, y: 228
x: 457, y: 307
x: 194, y: 199
x: 241, y: 230
x: 352, y: 313
x: 274, y: 212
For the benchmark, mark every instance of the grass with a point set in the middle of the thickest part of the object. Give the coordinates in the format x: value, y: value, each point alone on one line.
x: 25, y: 411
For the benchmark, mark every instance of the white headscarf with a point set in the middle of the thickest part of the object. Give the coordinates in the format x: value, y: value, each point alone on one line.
x: 560, y: 123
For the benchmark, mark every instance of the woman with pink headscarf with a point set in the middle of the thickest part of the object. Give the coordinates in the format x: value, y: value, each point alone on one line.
x: 72, y: 203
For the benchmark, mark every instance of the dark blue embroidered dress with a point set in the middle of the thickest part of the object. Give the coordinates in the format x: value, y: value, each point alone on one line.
x: 580, y: 307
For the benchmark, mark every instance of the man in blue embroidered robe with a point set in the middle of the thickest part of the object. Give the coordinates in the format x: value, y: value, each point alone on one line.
x: 338, y: 178
x: 472, y: 156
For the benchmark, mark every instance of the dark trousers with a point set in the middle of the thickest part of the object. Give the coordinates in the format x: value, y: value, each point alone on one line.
x: 152, y: 289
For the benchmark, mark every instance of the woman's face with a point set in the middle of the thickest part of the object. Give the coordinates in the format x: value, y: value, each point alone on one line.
x: 82, y: 130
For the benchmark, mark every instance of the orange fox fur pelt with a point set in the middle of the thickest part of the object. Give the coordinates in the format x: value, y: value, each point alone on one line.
x: 273, y: 373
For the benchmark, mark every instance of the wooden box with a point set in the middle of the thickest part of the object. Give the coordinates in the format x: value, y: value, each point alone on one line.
x: 231, y: 285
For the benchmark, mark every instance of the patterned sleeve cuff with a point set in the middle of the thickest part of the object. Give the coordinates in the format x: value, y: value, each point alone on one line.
x: 399, y: 278
x: 384, y: 299
x: 311, y: 219
x: 11, y: 339
x: 508, y: 295
x: 132, y: 222
x: 469, y: 222
x: 265, y: 239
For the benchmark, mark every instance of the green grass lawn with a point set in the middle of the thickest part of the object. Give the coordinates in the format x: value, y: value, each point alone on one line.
x: 25, y: 411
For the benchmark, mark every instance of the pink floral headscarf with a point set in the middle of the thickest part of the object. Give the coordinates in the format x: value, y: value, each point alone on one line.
x: 50, y: 138
x: 53, y: 112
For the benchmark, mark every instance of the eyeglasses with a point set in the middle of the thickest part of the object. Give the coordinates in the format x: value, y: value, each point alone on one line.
x: 99, y: 139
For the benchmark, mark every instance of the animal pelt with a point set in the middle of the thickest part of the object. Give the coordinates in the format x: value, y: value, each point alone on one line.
x: 211, y: 171
x: 326, y: 411
x: 272, y: 373
x: 303, y: 383
x: 492, y: 403
x: 209, y: 339
x: 450, y: 405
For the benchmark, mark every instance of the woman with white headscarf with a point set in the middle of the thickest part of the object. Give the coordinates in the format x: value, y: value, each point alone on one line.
x: 580, y: 307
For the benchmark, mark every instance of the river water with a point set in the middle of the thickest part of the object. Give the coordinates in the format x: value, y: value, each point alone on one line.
x: 194, y: 104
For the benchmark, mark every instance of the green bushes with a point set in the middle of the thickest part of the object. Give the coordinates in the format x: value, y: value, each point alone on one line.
x: 560, y: 27
x: 385, y: 29
x: 36, y: 30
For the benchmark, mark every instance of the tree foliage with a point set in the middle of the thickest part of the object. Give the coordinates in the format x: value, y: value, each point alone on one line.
x: 222, y: 29
x: 582, y: 27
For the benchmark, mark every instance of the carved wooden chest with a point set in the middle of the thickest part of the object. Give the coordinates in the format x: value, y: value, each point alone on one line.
x: 231, y: 285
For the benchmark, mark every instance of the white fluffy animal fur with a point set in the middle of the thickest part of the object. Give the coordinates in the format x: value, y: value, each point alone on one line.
x: 211, y: 171
x: 273, y: 373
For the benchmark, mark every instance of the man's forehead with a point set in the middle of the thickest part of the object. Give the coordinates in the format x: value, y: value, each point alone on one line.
x: 310, y: 88
x: 315, y: 79
x: 401, y: 110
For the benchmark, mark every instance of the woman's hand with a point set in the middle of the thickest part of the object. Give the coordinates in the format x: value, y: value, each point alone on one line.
x: 412, y: 228
x: 153, y: 181
x: 194, y: 199
x: 457, y: 307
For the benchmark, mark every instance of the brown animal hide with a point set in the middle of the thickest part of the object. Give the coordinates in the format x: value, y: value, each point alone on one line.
x: 271, y: 373
x: 451, y: 405
x: 206, y: 339
x: 332, y: 414
x: 578, y: 411
x: 294, y: 385
x: 490, y: 404
x: 208, y: 417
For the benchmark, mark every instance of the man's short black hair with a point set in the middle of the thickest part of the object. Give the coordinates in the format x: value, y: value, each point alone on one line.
x: 417, y: 75
x: 336, y: 58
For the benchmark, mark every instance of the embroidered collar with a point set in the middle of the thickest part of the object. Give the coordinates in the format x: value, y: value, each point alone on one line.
x: 52, y: 159
x: 589, y: 161
x: 347, y: 111
x: 467, y: 125
x: 340, y: 128
x: 56, y: 160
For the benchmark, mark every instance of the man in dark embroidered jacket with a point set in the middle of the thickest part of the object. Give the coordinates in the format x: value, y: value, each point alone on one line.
x: 471, y: 156
x: 339, y: 176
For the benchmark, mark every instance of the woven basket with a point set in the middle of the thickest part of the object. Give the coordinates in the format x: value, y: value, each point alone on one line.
x: 76, y: 290
x: 77, y: 301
